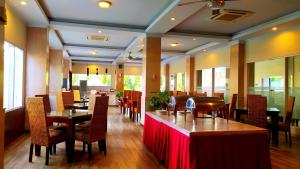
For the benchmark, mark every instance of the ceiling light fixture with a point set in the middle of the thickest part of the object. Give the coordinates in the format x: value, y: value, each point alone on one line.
x: 274, y: 29
x: 93, y: 52
x: 173, y: 19
x: 174, y: 44
x: 194, y: 39
x: 104, y: 4
x: 204, y: 50
x: 23, y: 3
x: 99, y: 31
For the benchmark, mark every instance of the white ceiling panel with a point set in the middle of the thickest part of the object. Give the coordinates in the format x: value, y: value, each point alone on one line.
x: 264, y: 10
x: 31, y: 12
x: 122, y: 12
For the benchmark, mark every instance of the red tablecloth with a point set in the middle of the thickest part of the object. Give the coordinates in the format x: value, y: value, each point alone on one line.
x: 179, y: 151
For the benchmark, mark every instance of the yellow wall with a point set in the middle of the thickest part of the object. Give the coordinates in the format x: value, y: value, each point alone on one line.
x: 15, y: 30
x: 133, y: 70
x: 268, y: 68
x: 81, y: 69
x: 273, y: 45
x: 178, y: 66
x: 218, y: 58
x: 297, y: 71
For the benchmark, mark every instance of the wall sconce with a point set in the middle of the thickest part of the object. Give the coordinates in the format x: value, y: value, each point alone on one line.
x: 120, y: 75
x: 87, y: 71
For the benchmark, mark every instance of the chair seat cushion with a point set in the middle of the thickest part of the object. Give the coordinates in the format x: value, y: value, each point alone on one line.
x: 57, y: 136
x: 283, y: 127
x: 82, y: 134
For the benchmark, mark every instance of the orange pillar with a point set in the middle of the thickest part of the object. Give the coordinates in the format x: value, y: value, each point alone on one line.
x: 167, y: 74
x: 238, y: 69
x: 37, y: 61
x: 151, y: 70
x: 56, y: 71
x: 190, y: 74
x: 2, y: 111
x: 119, y: 76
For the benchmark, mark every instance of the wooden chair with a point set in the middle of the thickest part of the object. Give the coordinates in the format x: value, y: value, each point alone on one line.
x: 76, y: 96
x: 96, y: 131
x: 232, y: 106
x: 46, y: 102
x: 286, y: 125
x: 40, y: 134
x: 220, y: 95
x: 135, y: 105
x: 67, y: 98
x: 257, y: 110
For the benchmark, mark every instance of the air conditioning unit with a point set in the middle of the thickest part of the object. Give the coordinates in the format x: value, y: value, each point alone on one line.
x: 101, y: 38
x: 229, y: 15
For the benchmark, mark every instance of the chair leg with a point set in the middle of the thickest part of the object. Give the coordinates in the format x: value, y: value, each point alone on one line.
x: 50, y: 150
x: 30, y: 152
x: 83, y: 146
x: 90, y: 151
x: 286, y: 137
x: 290, y: 138
x: 104, y: 146
x: 67, y: 147
x: 54, y: 149
x: 47, y: 156
x: 99, y: 145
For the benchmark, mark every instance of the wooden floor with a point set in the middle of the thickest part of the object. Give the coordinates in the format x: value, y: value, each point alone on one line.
x: 125, y: 150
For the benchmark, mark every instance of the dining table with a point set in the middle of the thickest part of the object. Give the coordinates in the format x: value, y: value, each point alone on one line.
x: 210, y: 143
x: 272, y: 112
x: 70, y: 118
x: 83, y: 106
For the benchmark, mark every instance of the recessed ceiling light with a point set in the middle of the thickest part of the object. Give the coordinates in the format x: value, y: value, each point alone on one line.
x: 174, y: 44
x: 93, y: 52
x: 23, y: 3
x: 99, y: 31
x: 194, y: 39
x: 274, y: 28
x: 104, y: 4
x: 204, y: 50
x: 173, y: 19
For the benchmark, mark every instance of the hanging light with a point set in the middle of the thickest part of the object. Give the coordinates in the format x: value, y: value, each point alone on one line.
x: 87, y: 71
x: 104, y: 4
x: 106, y: 70
x: 97, y: 73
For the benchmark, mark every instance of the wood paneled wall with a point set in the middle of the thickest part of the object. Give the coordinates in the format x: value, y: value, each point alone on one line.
x: 15, y: 124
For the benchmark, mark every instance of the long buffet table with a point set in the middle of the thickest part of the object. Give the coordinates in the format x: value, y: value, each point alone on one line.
x: 207, y: 144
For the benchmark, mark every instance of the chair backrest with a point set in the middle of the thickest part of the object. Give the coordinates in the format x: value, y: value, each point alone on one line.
x: 220, y: 95
x: 46, y: 102
x: 232, y: 105
x: 99, y: 119
x: 68, y: 98
x: 77, y: 96
x: 91, y: 103
x: 289, y: 111
x: 37, y: 121
x: 181, y: 93
x: 257, y: 110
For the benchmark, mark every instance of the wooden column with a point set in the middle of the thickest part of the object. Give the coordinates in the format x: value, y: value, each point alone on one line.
x: 151, y: 70
x: 251, y: 74
x: 56, y: 71
x: 2, y: 111
x: 120, y: 76
x: 167, y: 71
x: 190, y: 74
x: 37, y: 62
x: 67, y: 68
x: 237, y: 72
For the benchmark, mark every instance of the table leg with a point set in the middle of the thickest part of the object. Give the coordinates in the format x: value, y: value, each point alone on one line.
x: 37, y: 149
x: 70, y: 141
x: 275, y: 119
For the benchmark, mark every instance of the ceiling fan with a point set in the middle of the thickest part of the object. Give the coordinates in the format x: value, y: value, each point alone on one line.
x: 130, y: 57
x: 214, y: 5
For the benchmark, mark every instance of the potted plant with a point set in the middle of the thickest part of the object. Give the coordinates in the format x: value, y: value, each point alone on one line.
x: 159, y: 101
x: 119, y: 94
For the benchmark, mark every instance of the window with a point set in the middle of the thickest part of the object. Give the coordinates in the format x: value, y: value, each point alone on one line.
x: 13, y: 76
x: 180, y: 85
x: 92, y: 80
x: 162, y: 83
x: 132, y: 82
x: 207, y: 81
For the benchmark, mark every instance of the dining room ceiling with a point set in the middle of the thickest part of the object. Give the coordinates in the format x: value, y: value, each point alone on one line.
x: 86, y: 32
